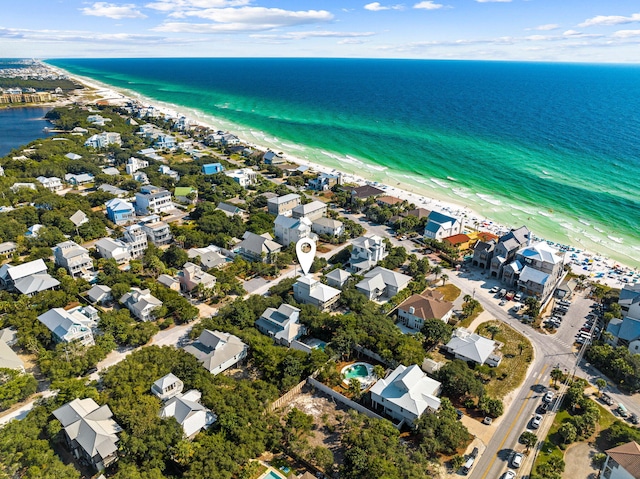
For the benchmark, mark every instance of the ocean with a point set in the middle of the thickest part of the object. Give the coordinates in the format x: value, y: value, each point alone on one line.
x: 19, y: 126
x: 553, y: 146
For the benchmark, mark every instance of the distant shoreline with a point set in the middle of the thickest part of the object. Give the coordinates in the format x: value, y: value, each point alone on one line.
x: 420, y: 199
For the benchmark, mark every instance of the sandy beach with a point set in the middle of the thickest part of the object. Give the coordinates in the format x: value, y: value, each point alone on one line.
x: 595, y: 267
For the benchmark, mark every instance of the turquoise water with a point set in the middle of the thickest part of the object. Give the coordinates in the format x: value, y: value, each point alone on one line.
x: 272, y: 475
x: 553, y: 146
x: 357, y: 371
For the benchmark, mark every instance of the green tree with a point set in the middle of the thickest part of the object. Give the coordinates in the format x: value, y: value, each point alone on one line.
x: 529, y: 439
x: 436, y: 331
x: 568, y: 432
x: 492, y: 329
x: 601, y: 384
x: 444, y: 279
x: 556, y: 375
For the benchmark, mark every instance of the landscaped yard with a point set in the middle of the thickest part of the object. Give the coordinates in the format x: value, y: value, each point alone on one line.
x: 466, y: 322
x: 550, y: 446
x: 450, y: 292
x: 517, y: 353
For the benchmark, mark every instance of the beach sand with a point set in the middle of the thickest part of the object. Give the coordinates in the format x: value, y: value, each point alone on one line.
x: 596, y: 267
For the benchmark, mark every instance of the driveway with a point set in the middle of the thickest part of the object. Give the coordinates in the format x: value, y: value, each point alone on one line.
x: 578, y: 462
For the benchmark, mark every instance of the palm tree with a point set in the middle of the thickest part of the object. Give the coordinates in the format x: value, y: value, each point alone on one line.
x: 378, y: 371
x: 444, y: 278
x: 556, y: 374
x: 466, y: 298
x: 492, y: 329
x: 437, y: 270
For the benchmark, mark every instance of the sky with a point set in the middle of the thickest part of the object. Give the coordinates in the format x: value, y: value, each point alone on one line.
x: 529, y: 30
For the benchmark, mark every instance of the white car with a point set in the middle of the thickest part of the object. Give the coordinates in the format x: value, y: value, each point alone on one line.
x: 548, y: 397
x: 508, y: 475
x: 516, y: 460
x: 495, y: 289
x: 535, y: 422
x: 518, y: 297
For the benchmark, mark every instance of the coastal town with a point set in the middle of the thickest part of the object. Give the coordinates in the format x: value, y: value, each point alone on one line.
x: 157, y: 321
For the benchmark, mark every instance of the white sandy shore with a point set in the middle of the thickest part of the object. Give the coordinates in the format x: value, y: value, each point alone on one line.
x: 596, y: 267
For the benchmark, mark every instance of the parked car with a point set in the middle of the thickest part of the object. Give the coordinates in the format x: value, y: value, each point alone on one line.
x: 535, y: 422
x: 508, y: 475
x: 634, y: 418
x: 516, y: 460
x: 503, y: 302
x: 502, y: 292
x: 543, y: 408
x: 606, y: 399
x: 487, y: 420
x: 518, y: 296
x: 495, y: 289
x: 548, y: 397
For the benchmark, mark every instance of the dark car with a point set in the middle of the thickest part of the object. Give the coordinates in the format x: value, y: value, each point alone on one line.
x: 459, y: 413
x: 634, y: 419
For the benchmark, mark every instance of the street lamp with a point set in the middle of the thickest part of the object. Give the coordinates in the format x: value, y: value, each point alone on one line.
x: 474, y: 293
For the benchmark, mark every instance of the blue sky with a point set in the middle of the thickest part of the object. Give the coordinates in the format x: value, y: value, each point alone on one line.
x: 538, y: 30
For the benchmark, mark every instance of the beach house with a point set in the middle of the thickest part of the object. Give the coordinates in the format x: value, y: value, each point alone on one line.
x: 134, y: 164
x: 153, y: 200
x: 381, y: 283
x: 245, y: 177
x: 192, y: 277
x: 212, y: 168
x: 366, y: 253
x: 90, y: 432
x: 136, y: 240
x: 255, y: 247
x: 406, y: 394
x: 109, y: 248
x: 327, y: 226
x: 120, y: 211
x: 7, y: 248
x: 290, y: 230
x: 271, y: 158
x: 282, y: 324
x: 324, y: 181
x: 308, y: 290
x: 70, y: 326
x: 78, y: 179
x: 536, y: 270
x: 52, y: 183
x: 74, y: 258
x: 311, y: 211
x: 141, y: 303
x: 27, y: 278
x: 158, y: 232
x: 473, y: 348
x: 506, y: 249
x: 622, y: 462
x: 439, y: 226
x: 416, y: 309
x: 282, y: 205
x: 102, y: 140
x: 217, y: 351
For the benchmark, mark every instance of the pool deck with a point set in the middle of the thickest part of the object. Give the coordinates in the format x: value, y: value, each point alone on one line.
x: 271, y: 470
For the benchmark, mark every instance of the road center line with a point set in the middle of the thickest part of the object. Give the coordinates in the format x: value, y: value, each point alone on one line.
x: 524, y: 403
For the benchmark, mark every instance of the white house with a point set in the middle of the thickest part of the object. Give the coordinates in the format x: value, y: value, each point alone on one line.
x: 406, y: 394
x: 218, y: 351
x: 472, y: 347
x: 109, y: 248
x: 74, y: 258
x: 134, y: 164
x: 245, y: 177
x: 157, y: 231
x: 367, y: 252
x: 290, y: 230
x: 78, y: 179
x: 382, y: 282
x: 136, y: 240
x: 153, y: 200
x: 337, y: 278
x: 52, y: 183
x: 99, y: 294
x: 210, y: 257
x: 141, y: 303
x: 69, y: 326
x: 7, y: 248
x: 190, y: 414
x: 327, y: 226
x: 440, y: 226
x: 281, y: 324
x: 167, y: 387
x: 308, y: 290
x: 104, y: 139
x: 622, y: 462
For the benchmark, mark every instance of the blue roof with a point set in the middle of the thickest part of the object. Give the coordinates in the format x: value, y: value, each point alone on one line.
x: 629, y: 329
x: 436, y: 217
x: 212, y: 168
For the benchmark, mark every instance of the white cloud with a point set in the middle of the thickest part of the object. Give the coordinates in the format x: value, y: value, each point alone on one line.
x: 60, y: 36
x: 377, y: 7
x: 546, y: 27
x: 626, y: 34
x: 111, y: 10
x: 428, y: 5
x: 610, y: 20
x: 312, y: 34
x: 244, y: 19
x: 493, y: 1
x: 178, y: 5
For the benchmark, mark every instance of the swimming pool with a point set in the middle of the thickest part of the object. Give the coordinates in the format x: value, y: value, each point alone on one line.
x: 271, y: 475
x: 363, y: 372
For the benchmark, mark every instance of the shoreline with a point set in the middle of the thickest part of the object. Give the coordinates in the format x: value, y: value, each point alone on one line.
x: 597, y: 266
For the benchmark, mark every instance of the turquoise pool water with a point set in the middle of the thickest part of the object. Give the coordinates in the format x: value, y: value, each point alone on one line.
x: 357, y: 371
x: 272, y: 475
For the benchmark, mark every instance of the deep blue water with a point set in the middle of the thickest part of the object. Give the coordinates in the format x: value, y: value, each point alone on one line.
x: 551, y: 145
x: 19, y: 126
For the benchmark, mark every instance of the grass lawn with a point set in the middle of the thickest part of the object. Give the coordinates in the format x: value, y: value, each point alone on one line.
x: 450, y: 292
x: 515, y: 361
x: 465, y: 323
x: 550, y: 446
